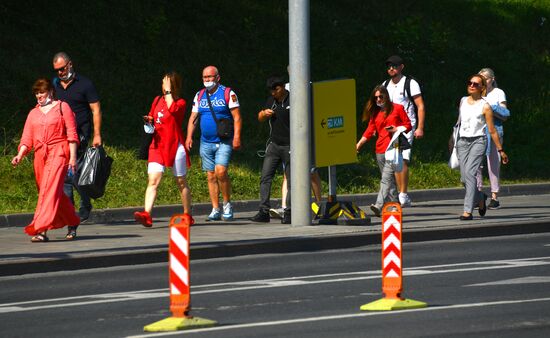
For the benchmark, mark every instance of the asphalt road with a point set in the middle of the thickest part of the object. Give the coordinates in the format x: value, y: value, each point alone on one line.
x: 485, y: 287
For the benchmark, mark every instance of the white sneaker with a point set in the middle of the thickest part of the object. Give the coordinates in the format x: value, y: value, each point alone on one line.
x: 277, y: 213
x: 215, y: 215
x: 375, y: 210
x: 404, y: 200
x: 227, y: 212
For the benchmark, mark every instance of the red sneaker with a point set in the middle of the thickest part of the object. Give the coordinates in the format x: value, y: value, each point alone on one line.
x: 144, y: 218
x: 188, y: 219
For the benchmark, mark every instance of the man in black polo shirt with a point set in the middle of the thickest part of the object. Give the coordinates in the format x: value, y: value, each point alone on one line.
x: 79, y: 92
x: 277, y: 113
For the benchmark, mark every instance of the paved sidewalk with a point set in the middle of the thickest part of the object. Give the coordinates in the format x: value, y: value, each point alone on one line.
x: 434, y: 215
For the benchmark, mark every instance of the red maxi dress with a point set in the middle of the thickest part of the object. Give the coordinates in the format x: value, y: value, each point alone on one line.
x: 49, y: 134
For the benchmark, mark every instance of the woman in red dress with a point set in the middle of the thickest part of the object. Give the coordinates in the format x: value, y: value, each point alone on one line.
x: 167, y: 148
x: 50, y: 130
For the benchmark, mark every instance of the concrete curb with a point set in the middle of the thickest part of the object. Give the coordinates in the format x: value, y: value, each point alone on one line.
x: 159, y: 254
x: 121, y: 214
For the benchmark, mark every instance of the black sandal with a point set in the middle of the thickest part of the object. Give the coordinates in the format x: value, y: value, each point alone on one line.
x: 483, y: 207
x: 40, y: 238
x: 71, y: 235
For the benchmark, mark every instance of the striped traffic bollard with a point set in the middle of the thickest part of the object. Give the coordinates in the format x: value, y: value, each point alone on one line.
x: 392, y: 264
x: 180, y: 296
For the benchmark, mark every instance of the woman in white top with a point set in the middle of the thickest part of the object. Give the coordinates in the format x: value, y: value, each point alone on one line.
x: 475, y: 116
x: 497, y: 100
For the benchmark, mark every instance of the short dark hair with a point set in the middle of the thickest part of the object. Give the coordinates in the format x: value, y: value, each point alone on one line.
x: 62, y: 55
x: 274, y: 81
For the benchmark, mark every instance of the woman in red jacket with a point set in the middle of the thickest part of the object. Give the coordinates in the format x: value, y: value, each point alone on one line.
x: 385, y: 118
x: 167, y: 148
x: 50, y: 130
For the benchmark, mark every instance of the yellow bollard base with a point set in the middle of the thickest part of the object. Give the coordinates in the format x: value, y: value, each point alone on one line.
x: 176, y: 324
x: 386, y: 304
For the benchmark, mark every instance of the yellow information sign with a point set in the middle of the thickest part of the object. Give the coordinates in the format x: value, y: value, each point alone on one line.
x: 334, y: 122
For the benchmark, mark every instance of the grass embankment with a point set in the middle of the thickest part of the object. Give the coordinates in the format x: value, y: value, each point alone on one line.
x: 125, y: 46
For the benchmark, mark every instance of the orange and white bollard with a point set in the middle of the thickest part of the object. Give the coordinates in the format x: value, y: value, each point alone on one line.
x: 392, y: 267
x: 180, y: 295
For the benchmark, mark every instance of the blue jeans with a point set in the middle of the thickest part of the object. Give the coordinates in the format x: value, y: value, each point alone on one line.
x: 84, y: 131
x: 213, y: 154
x: 68, y: 187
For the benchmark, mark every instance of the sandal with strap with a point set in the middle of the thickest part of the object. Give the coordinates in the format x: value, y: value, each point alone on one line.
x: 40, y: 238
x: 71, y: 235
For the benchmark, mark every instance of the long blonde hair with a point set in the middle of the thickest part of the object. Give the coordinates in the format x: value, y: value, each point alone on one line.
x: 483, y: 83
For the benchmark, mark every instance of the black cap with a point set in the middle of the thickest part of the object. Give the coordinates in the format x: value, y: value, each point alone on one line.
x: 275, y: 81
x: 395, y: 59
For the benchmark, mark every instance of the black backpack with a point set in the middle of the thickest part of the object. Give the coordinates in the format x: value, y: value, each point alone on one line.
x: 408, y: 91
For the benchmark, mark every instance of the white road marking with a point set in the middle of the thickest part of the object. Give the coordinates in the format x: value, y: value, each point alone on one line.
x: 82, y: 300
x: 343, y: 316
x: 266, y: 283
x: 523, y: 280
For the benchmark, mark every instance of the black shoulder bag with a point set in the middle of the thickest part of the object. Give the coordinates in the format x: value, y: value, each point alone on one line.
x: 224, y: 126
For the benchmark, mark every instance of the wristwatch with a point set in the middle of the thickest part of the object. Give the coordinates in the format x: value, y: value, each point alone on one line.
x: 167, y: 92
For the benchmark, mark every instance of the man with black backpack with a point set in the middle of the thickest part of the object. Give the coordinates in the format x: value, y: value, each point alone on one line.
x: 405, y: 90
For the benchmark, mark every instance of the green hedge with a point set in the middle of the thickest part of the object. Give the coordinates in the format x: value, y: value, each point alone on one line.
x: 125, y: 46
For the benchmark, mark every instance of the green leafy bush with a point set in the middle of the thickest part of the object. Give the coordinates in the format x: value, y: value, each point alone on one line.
x: 125, y: 46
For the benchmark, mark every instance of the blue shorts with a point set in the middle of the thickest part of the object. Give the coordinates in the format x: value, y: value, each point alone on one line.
x: 213, y: 154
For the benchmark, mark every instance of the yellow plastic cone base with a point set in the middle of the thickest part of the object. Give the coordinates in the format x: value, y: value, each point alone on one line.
x: 385, y: 304
x: 176, y: 324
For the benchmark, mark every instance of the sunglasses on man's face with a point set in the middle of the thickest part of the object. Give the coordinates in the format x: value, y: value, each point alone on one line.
x: 61, y: 69
x: 473, y: 84
x: 393, y: 66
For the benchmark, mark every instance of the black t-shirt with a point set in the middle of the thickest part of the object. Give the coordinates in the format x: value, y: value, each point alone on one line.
x: 280, y: 121
x: 79, y: 94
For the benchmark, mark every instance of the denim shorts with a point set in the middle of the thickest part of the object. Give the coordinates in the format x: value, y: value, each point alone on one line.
x: 213, y: 154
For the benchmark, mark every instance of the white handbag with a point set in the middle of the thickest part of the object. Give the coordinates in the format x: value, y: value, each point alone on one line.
x: 393, y: 154
x: 453, y: 161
